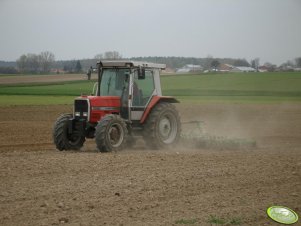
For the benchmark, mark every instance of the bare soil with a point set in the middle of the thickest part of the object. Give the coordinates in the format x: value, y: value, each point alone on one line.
x: 42, y: 186
x: 23, y: 79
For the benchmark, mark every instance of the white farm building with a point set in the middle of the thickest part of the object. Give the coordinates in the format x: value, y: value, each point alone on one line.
x: 243, y: 69
x: 190, y: 68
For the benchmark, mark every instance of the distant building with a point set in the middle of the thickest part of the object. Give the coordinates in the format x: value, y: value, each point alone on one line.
x: 57, y: 71
x: 225, y: 67
x: 263, y: 68
x: 243, y: 69
x: 190, y: 68
x: 168, y: 70
x: 231, y: 68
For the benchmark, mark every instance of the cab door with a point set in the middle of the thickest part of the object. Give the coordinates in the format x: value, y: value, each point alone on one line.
x: 142, y: 91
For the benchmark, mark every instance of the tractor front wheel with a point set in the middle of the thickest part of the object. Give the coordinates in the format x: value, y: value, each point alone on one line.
x: 163, y: 127
x: 111, y: 134
x: 64, y: 140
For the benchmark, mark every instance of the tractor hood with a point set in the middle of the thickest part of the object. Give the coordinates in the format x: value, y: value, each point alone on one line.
x: 98, y: 106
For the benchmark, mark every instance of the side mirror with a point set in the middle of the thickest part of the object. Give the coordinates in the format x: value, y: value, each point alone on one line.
x: 141, y: 73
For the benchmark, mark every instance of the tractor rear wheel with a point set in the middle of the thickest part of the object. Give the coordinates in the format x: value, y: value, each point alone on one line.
x: 64, y: 140
x: 163, y: 127
x: 111, y: 134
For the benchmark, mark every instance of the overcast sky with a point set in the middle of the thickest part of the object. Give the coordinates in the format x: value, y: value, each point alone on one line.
x: 76, y: 29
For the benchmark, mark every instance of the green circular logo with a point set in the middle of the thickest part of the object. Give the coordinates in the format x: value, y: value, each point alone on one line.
x: 282, y: 214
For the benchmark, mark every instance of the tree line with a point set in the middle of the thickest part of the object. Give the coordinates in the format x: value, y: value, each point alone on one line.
x: 171, y: 62
x: 45, y: 61
x: 36, y: 63
x: 207, y: 63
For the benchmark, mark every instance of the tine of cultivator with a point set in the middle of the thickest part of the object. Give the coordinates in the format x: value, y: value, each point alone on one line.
x: 194, y: 129
x: 194, y: 135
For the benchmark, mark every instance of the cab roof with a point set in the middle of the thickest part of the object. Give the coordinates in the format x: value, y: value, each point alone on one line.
x: 128, y: 63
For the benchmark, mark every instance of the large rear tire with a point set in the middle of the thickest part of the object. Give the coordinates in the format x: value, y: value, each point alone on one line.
x: 111, y: 134
x: 62, y: 139
x: 163, y: 127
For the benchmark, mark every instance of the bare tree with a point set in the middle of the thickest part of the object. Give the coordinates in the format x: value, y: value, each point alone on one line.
x: 298, y: 62
x: 109, y: 55
x: 215, y: 64
x: 46, y: 59
x: 22, y: 63
x: 34, y: 63
x: 98, y: 56
x: 112, y: 55
x: 241, y: 63
x: 208, y: 61
x: 255, y: 63
x: 270, y: 67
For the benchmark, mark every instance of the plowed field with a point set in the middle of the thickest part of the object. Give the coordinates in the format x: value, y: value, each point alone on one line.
x: 23, y: 79
x: 42, y: 186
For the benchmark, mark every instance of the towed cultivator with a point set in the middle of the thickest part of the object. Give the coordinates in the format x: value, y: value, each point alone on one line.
x: 194, y: 136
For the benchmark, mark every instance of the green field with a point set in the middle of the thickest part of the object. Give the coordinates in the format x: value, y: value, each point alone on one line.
x: 234, y: 87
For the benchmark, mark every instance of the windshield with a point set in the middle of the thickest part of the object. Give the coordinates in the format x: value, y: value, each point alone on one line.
x: 113, y: 81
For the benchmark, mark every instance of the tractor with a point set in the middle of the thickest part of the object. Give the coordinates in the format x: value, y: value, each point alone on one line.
x: 127, y: 103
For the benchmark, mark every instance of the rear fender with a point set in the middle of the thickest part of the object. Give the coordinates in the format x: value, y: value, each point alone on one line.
x: 154, y: 101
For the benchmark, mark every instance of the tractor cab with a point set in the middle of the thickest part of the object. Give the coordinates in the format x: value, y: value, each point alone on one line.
x: 135, y: 83
x: 127, y: 99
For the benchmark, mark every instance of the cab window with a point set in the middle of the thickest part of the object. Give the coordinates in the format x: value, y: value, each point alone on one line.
x: 143, y: 88
x: 113, y: 81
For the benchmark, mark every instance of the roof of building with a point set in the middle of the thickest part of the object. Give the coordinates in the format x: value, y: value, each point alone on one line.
x: 193, y: 66
x: 245, y: 68
x: 128, y: 63
x: 183, y: 70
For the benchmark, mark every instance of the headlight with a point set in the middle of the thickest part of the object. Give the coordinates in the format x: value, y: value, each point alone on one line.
x: 77, y: 114
x: 85, y: 114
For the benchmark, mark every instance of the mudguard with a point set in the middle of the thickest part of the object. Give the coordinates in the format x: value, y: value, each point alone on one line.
x: 154, y: 101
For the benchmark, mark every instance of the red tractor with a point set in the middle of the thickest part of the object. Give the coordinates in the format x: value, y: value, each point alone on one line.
x: 128, y: 103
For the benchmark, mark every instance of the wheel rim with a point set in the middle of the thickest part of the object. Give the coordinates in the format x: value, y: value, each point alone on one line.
x: 74, y: 138
x: 116, y: 135
x: 168, y: 128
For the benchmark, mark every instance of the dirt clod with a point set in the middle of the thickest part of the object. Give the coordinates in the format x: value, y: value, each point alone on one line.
x: 63, y: 220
